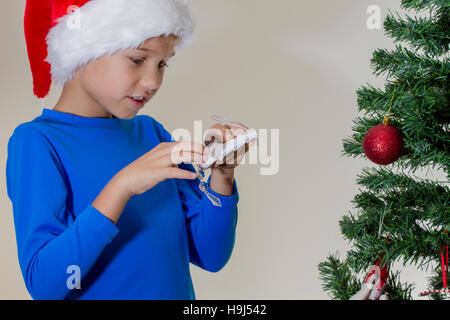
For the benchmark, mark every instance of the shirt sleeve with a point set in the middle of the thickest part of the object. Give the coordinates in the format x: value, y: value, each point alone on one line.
x: 50, y: 241
x: 211, y: 230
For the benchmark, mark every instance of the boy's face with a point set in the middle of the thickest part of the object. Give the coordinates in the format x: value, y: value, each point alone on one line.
x: 109, y: 82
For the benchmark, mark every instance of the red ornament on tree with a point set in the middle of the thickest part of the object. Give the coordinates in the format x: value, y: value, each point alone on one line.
x: 383, y: 144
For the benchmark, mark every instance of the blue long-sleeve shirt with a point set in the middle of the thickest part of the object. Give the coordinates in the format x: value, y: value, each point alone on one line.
x: 57, y: 165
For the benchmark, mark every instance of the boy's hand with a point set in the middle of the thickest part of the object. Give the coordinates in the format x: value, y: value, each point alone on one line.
x: 159, y: 164
x: 222, y: 134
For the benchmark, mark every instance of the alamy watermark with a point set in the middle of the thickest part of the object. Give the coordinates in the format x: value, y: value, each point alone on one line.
x: 374, y: 20
x: 257, y: 152
x: 374, y: 280
x: 74, y: 280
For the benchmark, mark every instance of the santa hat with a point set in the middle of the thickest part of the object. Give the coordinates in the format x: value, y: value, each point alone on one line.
x: 63, y: 35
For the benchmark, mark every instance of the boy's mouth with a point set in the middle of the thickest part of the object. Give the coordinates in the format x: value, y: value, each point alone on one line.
x: 138, y: 104
x: 141, y: 98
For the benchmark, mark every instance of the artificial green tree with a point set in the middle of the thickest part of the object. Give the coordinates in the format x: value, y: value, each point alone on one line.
x: 401, y: 217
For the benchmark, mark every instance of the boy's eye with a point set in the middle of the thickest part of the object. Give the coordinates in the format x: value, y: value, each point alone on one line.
x: 139, y: 61
x: 163, y: 65
x: 136, y: 61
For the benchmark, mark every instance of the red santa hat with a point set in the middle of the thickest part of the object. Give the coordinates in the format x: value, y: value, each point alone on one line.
x: 63, y: 35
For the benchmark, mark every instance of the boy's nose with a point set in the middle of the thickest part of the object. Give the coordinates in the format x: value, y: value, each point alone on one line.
x: 151, y: 82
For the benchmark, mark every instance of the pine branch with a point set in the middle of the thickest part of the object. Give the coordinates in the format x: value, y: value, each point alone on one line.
x: 410, y: 98
x: 435, y: 283
x: 411, y: 211
x: 337, y: 279
x: 404, y: 64
x: 430, y: 35
x: 397, y: 290
x: 407, y: 241
x: 366, y: 250
x: 422, y: 4
x: 340, y: 282
x: 430, y: 198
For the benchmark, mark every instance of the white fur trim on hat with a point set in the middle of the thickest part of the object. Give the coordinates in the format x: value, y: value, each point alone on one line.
x: 107, y: 26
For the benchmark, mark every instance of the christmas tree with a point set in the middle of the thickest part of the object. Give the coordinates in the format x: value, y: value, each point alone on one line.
x: 401, y: 217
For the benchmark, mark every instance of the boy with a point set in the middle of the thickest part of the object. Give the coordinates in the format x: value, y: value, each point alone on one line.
x: 104, y: 205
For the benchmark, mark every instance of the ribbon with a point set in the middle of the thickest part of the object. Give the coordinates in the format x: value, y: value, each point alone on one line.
x: 204, y: 187
x: 444, y: 263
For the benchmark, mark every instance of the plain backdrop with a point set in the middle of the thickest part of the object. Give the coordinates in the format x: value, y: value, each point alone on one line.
x: 287, y: 65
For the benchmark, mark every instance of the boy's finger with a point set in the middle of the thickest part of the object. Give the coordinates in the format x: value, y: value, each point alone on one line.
x: 219, y: 133
x: 186, y: 146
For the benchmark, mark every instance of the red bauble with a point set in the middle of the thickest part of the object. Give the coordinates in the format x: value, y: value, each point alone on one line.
x: 383, y: 144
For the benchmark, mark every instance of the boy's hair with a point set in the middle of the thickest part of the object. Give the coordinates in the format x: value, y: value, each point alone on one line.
x: 62, y: 36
